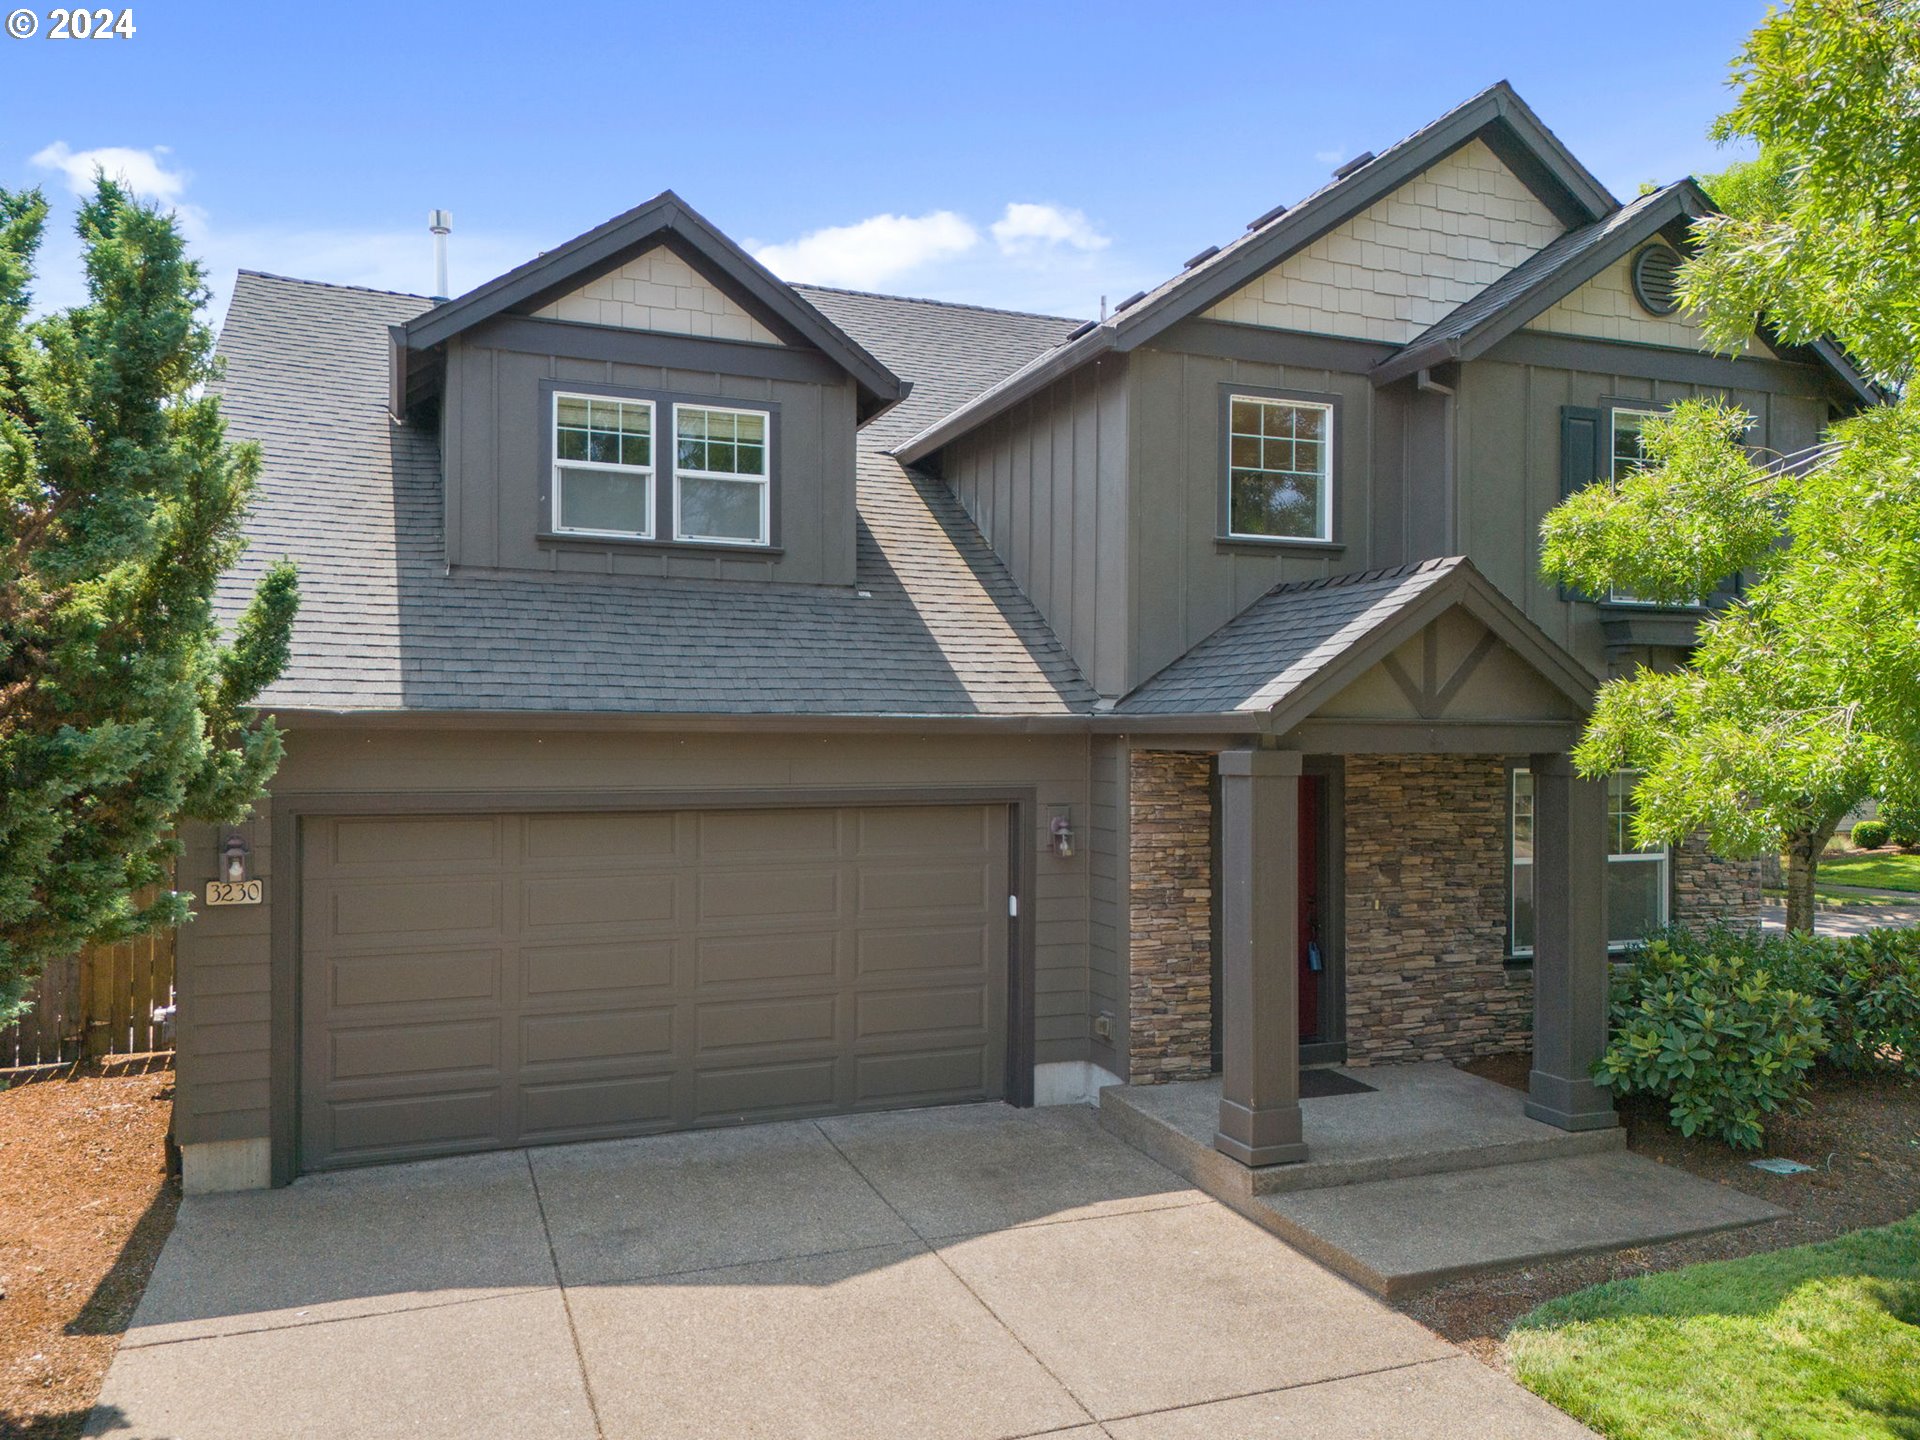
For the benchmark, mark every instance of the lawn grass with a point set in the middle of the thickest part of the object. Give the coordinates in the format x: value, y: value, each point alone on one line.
x: 1888, y: 869
x: 1816, y: 1343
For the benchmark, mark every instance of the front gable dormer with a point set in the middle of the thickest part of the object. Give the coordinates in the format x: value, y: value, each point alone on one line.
x: 647, y: 399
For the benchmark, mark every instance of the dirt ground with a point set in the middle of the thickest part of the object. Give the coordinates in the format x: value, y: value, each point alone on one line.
x: 1862, y: 1137
x: 85, y: 1203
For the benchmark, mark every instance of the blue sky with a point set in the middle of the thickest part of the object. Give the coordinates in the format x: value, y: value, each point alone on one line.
x: 1030, y: 155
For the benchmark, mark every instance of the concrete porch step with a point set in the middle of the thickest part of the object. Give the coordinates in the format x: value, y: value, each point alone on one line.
x: 1398, y: 1235
x: 1425, y: 1119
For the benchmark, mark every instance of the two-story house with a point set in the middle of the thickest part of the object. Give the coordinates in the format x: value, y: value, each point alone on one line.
x: 718, y: 700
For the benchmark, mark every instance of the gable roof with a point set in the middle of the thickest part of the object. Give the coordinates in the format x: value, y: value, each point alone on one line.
x: 934, y: 627
x: 1302, y: 643
x: 664, y: 220
x: 1546, y: 278
x: 1497, y: 115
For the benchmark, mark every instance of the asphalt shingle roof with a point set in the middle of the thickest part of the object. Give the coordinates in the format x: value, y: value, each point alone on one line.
x: 1280, y: 642
x: 941, y: 629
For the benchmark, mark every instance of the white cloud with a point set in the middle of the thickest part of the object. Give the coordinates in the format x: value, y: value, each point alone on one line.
x: 144, y: 172
x: 870, y: 252
x: 1027, y: 228
x: 1329, y: 157
x: 380, y: 259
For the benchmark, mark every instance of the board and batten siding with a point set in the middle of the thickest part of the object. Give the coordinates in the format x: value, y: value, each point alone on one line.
x: 495, y: 447
x: 1186, y: 583
x: 1508, y: 439
x: 225, y: 955
x: 1046, y: 484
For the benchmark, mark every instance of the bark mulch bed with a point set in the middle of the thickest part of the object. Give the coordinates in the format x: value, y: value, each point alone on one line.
x: 85, y: 1204
x: 1862, y: 1137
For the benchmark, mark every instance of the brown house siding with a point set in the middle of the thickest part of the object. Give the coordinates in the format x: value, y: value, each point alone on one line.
x: 1427, y: 912
x: 1170, y: 904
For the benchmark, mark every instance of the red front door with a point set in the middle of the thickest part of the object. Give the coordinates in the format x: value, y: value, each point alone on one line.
x: 1312, y: 959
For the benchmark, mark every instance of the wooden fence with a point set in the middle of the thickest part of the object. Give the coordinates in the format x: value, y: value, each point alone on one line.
x: 100, y: 1002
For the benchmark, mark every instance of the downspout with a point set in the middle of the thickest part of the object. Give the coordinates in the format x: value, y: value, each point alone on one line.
x: 1425, y: 383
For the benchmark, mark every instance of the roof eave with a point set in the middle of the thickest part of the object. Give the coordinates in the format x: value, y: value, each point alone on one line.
x: 1036, y: 377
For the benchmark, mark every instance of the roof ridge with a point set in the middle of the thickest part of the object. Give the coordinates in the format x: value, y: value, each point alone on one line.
x: 944, y: 304
x: 329, y: 284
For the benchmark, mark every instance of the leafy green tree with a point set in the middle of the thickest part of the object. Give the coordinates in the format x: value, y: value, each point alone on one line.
x: 121, y: 709
x: 1804, y: 695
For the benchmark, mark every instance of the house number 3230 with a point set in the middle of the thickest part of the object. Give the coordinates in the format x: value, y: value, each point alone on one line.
x: 235, y: 892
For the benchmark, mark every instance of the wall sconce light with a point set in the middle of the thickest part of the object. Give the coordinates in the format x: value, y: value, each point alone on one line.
x: 1060, y: 834
x: 233, y: 857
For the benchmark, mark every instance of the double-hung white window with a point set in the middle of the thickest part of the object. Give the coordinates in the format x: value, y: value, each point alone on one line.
x: 605, y: 481
x: 1279, y: 469
x: 603, y: 466
x: 1627, y: 454
x: 1637, y: 878
x: 721, y: 486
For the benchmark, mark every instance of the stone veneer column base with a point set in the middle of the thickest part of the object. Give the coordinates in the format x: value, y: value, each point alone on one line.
x: 1169, y: 917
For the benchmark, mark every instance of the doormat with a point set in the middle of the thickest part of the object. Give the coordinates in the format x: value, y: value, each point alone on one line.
x: 1323, y: 1084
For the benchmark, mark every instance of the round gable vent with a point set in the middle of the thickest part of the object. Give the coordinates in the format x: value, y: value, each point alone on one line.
x: 1656, y: 280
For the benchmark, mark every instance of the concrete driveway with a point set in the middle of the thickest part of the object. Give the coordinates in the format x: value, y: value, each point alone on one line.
x: 942, y: 1274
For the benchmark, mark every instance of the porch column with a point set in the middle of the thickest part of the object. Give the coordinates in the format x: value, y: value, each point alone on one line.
x: 1259, y: 981
x: 1570, y: 961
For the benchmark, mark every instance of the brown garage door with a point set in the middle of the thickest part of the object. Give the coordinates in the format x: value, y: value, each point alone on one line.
x: 475, y: 981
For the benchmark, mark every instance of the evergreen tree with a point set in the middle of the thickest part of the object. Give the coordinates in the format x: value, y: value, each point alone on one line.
x: 122, y: 711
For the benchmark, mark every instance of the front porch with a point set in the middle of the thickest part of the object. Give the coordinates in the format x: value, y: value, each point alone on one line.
x: 1429, y: 1174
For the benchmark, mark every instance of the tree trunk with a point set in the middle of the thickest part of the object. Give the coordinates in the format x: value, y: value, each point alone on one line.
x: 1804, y: 848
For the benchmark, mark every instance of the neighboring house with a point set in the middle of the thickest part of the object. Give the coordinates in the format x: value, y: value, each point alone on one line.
x: 719, y: 700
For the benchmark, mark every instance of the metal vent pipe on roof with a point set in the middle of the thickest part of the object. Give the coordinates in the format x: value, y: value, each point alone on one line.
x: 440, y: 222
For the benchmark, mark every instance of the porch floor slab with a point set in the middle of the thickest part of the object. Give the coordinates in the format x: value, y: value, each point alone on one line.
x: 1395, y: 1236
x: 1433, y: 1175
x: 1420, y: 1119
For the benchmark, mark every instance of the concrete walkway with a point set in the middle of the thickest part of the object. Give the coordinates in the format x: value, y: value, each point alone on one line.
x: 945, y: 1274
x: 1845, y: 919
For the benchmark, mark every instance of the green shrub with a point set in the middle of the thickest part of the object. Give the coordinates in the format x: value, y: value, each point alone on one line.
x: 1871, y: 834
x: 1903, y: 823
x: 1867, y: 988
x: 1713, y: 1034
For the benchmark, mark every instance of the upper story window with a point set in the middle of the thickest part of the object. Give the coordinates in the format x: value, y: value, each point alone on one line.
x: 1279, y: 469
x: 1638, y: 879
x: 603, y: 466
x: 606, y: 483
x: 1627, y: 455
x: 720, y: 485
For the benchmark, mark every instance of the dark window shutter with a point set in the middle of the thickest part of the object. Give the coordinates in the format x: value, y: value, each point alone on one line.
x: 1584, y: 449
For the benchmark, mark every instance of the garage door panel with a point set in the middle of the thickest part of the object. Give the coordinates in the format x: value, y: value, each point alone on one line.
x: 424, y: 905
x: 373, y: 1129
x: 923, y: 888
x: 616, y: 899
x: 794, y: 1087
x: 950, y: 831
x: 918, y: 1075
x: 881, y: 1015
x: 419, y: 977
x: 615, y: 1105
x: 955, y: 948
x: 611, y: 966
x: 594, y: 839
x: 750, y: 1024
x: 502, y: 980
x: 598, y: 1035
x: 783, y: 896
x: 422, y: 1048
x: 766, y: 959
x: 416, y: 842
x: 732, y: 835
